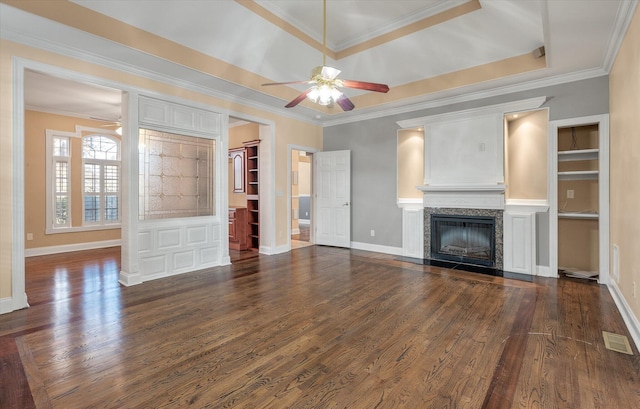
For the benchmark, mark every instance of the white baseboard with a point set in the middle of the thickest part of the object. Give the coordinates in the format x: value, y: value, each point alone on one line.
x: 129, y: 279
x: 304, y: 221
x: 633, y: 325
x: 10, y: 304
x: 545, y: 271
x: 295, y: 231
x: 66, y: 248
x: 396, y: 251
x: 6, y: 305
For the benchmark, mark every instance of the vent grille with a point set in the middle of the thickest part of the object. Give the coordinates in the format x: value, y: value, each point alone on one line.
x: 617, y: 342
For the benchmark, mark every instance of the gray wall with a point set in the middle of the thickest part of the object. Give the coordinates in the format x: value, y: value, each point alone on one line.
x: 373, y: 156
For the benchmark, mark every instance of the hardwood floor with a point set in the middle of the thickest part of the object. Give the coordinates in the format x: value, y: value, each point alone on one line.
x: 319, y: 327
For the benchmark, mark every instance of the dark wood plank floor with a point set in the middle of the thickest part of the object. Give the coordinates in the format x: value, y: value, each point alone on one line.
x: 319, y: 327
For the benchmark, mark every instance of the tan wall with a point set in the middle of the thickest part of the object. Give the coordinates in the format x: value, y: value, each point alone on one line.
x: 624, y: 105
x: 526, y: 156
x: 287, y: 131
x: 238, y: 135
x: 36, y: 124
x: 304, y: 176
x: 410, y: 163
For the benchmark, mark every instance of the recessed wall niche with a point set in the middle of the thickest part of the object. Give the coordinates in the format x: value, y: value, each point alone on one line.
x: 176, y: 175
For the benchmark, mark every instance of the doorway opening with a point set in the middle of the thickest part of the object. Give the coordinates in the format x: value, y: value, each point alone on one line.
x: 301, y: 198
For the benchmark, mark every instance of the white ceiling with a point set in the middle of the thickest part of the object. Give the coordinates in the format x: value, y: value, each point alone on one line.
x: 580, y: 38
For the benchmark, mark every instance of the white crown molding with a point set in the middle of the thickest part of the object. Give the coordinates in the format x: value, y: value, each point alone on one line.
x: 94, y: 58
x: 466, y: 97
x: 515, y: 106
x: 623, y: 19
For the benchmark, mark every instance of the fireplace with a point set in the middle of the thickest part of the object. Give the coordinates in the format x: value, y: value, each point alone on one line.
x: 465, y: 239
x: 464, y: 235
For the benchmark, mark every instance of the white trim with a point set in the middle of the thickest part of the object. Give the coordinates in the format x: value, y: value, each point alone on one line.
x: 377, y: 248
x: 410, y: 203
x: 6, y: 305
x: 18, y: 293
x: 306, y: 222
x: 527, y: 205
x: 633, y: 325
x: 623, y: 19
x: 87, y: 227
x: 545, y: 271
x: 295, y: 231
x: 66, y: 248
x: 514, y: 106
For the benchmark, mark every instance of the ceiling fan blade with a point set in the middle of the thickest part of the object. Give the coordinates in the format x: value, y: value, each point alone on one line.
x: 369, y: 86
x: 345, y: 103
x: 298, y: 99
x: 287, y: 83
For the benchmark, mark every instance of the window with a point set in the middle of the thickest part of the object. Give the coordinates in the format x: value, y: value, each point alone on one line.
x: 89, y: 165
x: 176, y: 175
x: 101, y: 179
x: 61, y: 156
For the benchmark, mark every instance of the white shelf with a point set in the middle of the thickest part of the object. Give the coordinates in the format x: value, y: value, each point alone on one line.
x: 583, y: 154
x: 579, y: 175
x: 570, y: 215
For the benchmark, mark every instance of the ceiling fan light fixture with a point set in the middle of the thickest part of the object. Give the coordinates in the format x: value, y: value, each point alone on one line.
x: 323, y: 94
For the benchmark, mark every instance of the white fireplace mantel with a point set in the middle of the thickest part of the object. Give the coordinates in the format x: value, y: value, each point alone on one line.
x: 474, y: 196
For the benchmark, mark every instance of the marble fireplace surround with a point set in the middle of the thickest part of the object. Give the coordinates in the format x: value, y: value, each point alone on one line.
x: 465, y: 200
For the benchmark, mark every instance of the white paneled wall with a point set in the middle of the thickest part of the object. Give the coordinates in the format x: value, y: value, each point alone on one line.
x: 174, y: 246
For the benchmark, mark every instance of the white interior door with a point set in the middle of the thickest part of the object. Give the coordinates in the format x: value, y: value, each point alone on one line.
x: 332, y: 184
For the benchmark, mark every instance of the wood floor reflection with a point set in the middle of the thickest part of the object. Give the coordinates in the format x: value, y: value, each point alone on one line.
x: 318, y: 327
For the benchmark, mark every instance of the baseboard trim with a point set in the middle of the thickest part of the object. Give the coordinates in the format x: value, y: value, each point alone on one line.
x: 66, y: 248
x: 395, y: 251
x: 633, y: 325
x: 304, y: 222
x: 129, y: 279
x: 295, y: 231
x: 6, y: 305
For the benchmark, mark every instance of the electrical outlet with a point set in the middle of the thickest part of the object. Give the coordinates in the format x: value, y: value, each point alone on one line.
x: 570, y: 194
x: 373, y: 233
x: 29, y: 236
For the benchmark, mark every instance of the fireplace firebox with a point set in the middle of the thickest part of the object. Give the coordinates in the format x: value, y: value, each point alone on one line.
x: 464, y: 239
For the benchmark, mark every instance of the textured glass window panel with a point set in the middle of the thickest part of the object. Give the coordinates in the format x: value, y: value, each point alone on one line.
x: 170, y: 166
x: 91, y: 208
x: 170, y: 186
x: 91, y: 178
x: 190, y: 151
x: 111, y: 178
x: 111, y: 208
x: 62, y: 209
x: 179, y: 191
x: 60, y: 146
x: 62, y: 175
x: 188, y: 186
x: 155, y: 165
x: 155, y: 185
x: 188, y: 167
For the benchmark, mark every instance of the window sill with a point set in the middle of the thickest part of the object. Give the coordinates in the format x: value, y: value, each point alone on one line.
x: 76, y: 229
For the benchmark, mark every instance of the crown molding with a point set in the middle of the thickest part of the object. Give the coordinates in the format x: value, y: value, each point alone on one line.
x: 623, y: 19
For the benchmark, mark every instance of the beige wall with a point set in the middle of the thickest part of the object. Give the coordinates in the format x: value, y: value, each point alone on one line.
x: 238, y: 135
x: 36, y: 124
x: 526, y: 156
x: 410, y: 163
x: 287, y: 131
x: 624, y: 105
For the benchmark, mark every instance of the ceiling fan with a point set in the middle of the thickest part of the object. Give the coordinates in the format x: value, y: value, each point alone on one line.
x: 324, y: 90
